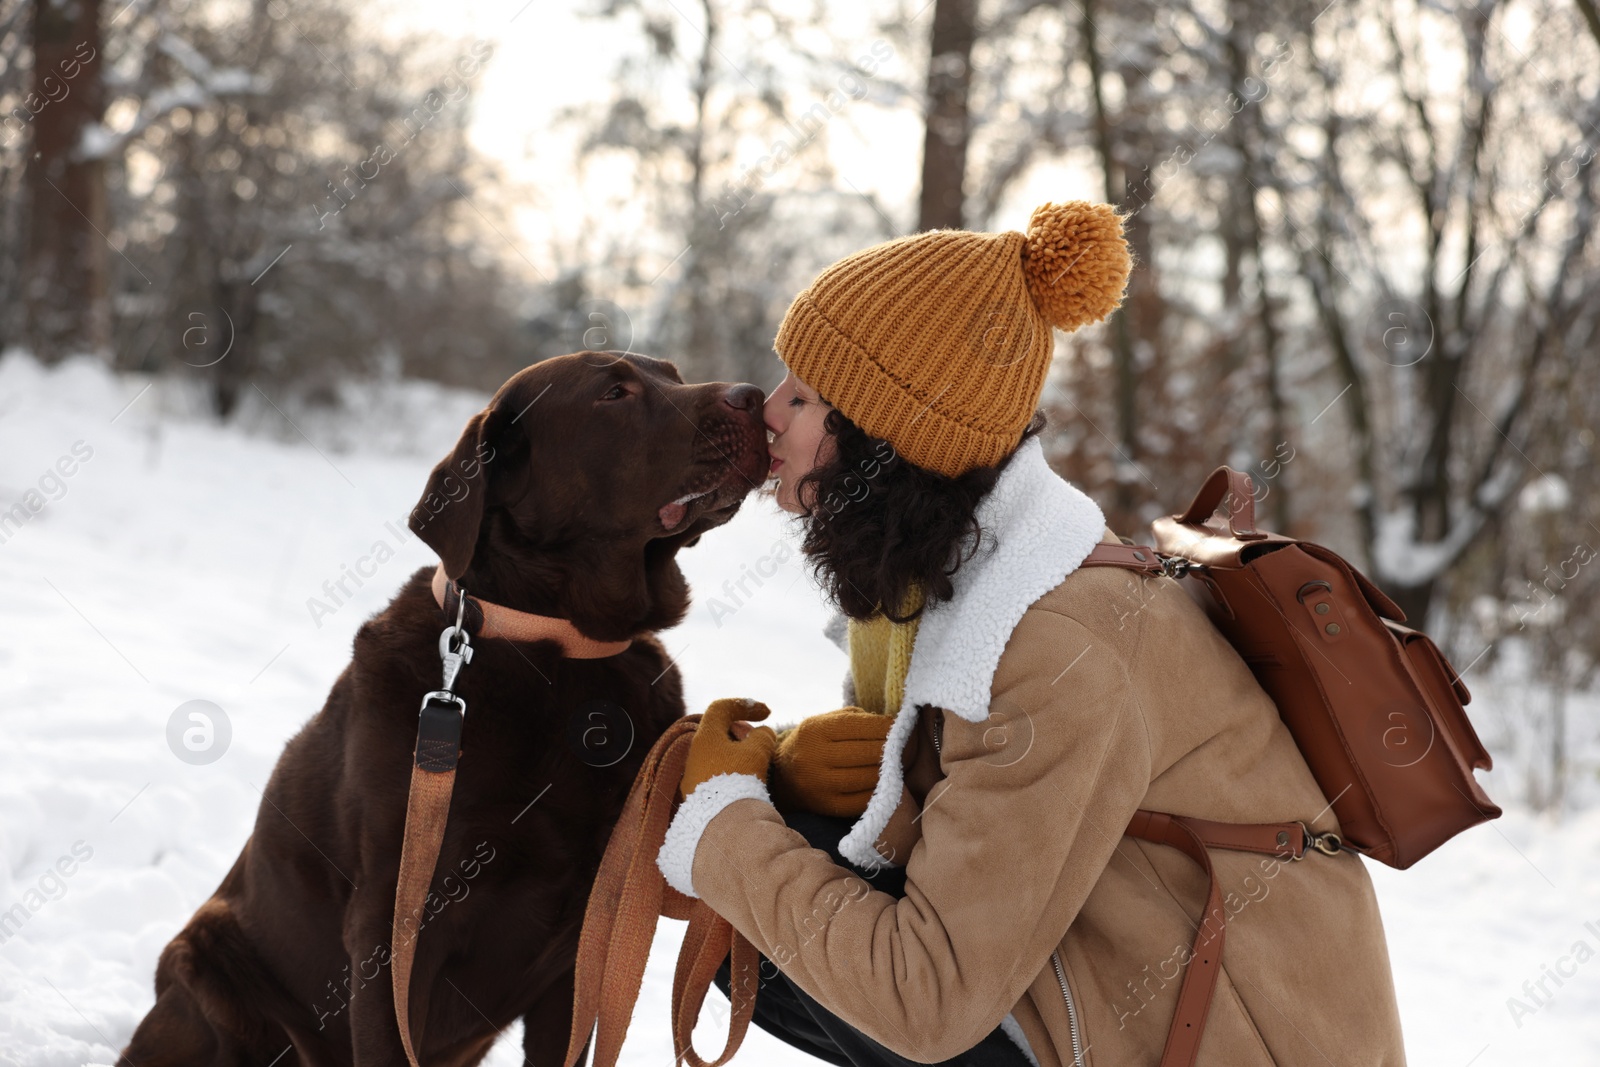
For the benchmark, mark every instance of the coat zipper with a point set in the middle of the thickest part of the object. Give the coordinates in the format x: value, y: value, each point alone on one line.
x: 1072, y: 1010
x: 1055, y: 957
x: 1061, y: 974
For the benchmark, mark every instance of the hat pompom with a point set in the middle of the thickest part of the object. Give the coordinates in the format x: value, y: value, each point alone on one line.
x: 1076, y: 262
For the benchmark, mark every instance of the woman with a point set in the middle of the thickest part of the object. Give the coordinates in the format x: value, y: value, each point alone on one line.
x: 1032, y: 707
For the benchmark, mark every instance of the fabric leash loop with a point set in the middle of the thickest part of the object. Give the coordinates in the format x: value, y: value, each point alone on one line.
x: 433, y: 782
x: 628, y: 897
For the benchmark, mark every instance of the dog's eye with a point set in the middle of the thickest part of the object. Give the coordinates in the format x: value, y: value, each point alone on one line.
x: 616, y: 392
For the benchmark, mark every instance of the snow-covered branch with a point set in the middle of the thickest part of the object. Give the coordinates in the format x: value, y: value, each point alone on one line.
x: 204, y: 87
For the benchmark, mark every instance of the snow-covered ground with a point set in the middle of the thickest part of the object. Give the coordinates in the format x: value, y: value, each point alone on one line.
x: 174, y: 563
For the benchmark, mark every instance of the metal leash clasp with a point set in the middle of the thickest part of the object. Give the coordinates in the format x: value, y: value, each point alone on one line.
x: 455, y: 656
x: 442, y: 713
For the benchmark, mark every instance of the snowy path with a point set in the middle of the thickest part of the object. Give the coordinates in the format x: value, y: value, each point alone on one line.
x: 174, y: 564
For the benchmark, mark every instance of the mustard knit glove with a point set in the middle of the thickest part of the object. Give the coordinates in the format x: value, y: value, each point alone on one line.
x: 828, y: 764
x: 723, y: 746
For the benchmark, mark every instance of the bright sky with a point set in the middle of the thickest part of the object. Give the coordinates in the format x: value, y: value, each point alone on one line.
x: 547, y: 57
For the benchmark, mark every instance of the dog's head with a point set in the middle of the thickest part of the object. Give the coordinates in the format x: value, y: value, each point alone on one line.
x: 572, y: 491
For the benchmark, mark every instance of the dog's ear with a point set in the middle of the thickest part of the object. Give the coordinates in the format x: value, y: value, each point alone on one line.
x: 450, y: 513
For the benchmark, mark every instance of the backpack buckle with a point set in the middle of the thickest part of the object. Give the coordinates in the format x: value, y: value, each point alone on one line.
x: 1177, y: 566
x: 1328, y: 843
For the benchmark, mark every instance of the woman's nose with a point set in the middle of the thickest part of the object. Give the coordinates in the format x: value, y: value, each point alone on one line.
x: 772, y: 414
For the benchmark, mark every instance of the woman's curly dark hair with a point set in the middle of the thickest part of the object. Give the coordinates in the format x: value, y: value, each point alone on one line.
x: 878, y: 524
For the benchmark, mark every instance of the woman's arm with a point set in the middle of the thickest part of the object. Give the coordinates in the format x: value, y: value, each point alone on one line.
x: 1013, y: 839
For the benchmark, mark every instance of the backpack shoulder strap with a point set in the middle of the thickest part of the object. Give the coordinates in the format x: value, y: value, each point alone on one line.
x: 1193, y: 837
x: 1130, y: 557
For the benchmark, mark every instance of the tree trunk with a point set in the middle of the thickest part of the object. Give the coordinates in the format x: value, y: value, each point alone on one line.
x: 702, y: 354
x: 230, y: 346
x: 1558, y: 745
x: 65, y: 292
x: 1124, y: 514
x: 948, y: 126
x: 1247, y: 229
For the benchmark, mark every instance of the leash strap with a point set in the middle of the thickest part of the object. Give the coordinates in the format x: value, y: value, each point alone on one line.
x: 433, y: 780
x: 709, y: 940
x: 619, y: 924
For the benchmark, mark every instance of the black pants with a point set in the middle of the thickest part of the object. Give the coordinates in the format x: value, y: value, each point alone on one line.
x: 788, y: 1013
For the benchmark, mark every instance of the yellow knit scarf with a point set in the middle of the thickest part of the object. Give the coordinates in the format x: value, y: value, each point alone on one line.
x: 880, y: 656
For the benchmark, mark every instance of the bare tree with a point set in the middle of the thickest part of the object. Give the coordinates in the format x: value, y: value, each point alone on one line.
x: 947, y: 125
x: 725, y: 137
x: 1441, y: 362
x: 307, y: 203
x: 64, y: 270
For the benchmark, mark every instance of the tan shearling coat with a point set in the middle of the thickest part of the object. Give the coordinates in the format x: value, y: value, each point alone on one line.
x: 1025, y: 906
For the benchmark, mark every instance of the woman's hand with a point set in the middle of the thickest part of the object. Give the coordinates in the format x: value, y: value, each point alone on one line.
x: 723, y: 746
x: 828, y: 764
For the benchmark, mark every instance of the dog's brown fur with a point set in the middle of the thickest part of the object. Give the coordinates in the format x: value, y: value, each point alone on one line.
x: 550, y: 503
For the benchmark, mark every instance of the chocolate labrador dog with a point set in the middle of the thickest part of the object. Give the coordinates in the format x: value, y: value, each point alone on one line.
x: 568, y: 496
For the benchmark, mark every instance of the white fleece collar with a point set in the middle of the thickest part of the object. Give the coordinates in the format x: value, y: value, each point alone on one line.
x: 1037, y: 528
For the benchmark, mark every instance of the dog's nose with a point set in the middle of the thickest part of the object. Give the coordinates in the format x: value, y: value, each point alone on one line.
x: 744, y: 397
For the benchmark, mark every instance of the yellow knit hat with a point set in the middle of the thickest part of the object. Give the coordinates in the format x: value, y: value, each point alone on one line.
x: 939, y: 342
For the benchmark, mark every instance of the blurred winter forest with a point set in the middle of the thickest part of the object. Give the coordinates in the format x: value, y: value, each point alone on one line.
x: 1369, y: 270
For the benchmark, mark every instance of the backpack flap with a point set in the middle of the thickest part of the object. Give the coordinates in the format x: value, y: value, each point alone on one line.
x: 1448, y: 697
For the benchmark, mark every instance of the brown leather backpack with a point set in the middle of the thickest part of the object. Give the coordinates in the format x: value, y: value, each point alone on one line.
x: 1374, y: 706
x: 1377, y: 710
